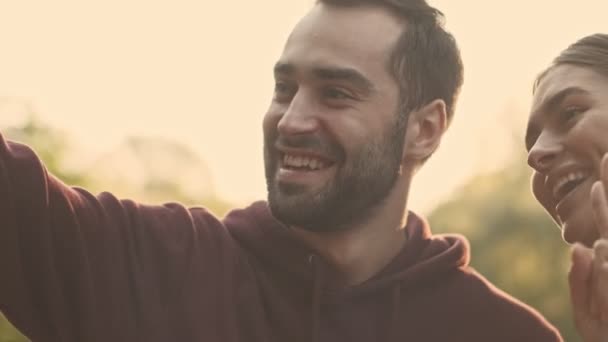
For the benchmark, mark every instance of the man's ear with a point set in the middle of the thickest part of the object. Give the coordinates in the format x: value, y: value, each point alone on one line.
x: 424, y: 131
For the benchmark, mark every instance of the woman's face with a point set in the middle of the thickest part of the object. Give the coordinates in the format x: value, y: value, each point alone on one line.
x: 567, y: 136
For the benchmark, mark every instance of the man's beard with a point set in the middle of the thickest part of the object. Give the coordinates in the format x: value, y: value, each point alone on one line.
x: 359, y: 186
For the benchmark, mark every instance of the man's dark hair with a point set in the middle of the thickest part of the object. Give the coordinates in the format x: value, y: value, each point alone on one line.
x: 588, y: 52
x: 425, y: 60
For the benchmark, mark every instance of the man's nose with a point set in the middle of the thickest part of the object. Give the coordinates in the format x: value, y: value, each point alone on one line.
x: 300, y: 117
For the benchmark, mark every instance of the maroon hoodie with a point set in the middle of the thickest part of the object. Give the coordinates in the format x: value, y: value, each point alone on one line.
x: 78, y: 267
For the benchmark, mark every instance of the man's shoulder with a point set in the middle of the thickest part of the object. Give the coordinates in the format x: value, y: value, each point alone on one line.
x: 474, y: 289
x: 496, y: 309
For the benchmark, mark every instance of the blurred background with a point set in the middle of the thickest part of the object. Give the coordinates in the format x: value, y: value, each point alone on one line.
x: 163, y: 100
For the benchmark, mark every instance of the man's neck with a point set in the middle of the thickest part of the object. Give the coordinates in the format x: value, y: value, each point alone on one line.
x: 354, y: 255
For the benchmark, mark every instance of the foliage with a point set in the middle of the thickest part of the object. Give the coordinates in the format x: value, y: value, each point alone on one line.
x: 514, y: 243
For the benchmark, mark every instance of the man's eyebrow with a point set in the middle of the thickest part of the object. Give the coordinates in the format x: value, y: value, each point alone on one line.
x: 329, y: 73
x: 548, y: 105
x: 344, y: 74
x: 284, y: 68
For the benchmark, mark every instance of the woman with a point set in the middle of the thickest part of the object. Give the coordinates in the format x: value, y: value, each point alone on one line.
x: 567, y: 143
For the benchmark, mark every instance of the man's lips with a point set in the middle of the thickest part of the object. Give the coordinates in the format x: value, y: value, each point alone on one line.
x: 297, y: 170
x: 325, y: 152
x: 302, y: 166
x: 303, y: 162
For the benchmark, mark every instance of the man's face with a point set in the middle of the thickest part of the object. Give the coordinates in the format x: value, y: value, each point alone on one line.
x: 566, y: 139
x: 332, y: 147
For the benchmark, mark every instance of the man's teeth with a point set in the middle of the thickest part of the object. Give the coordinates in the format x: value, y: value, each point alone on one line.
x: 571, y: 177
x: 303, y: 162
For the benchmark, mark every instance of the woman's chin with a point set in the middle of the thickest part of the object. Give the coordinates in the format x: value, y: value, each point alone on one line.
x: 582, y: 233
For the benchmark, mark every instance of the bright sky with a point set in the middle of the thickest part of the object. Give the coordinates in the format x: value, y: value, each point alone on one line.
x: 199, y: 72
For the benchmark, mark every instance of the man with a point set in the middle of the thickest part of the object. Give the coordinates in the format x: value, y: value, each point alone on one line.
x: 567, y: 142
x: 364, y: 92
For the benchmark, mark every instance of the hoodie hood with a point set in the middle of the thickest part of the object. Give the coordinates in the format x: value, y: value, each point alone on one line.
x: 423, y: 258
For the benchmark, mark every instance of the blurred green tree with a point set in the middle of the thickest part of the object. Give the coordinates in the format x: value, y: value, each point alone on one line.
x: 51, y: 145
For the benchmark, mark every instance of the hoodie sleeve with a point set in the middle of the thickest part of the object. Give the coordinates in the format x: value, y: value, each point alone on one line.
x: 78, y: 267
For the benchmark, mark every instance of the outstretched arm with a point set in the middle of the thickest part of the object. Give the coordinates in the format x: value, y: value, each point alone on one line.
x: 78, y: 267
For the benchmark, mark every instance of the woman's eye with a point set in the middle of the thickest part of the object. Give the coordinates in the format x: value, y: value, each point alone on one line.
x: 570, y: 112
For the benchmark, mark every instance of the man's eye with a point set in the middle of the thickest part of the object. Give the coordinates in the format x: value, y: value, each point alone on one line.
x: 283, y: 91
x: 336, y: 94
x: 281, y: 87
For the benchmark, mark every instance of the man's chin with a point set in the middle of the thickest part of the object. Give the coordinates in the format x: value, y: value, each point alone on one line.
x: 304, y: 213
x: 290, y: 206
x: 292, y: 217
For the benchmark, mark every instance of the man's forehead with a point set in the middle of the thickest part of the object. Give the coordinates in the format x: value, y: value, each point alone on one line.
x: 358, y: 29
x: 346, y: 37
